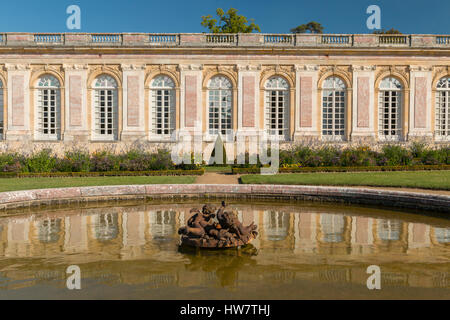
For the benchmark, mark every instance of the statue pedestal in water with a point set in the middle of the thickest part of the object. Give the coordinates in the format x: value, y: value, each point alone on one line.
x: 216, y: 228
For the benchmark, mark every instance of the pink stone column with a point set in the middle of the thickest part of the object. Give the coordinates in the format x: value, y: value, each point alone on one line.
x: 306, y: 102
x: 18, y: 102
x: 75, y: 101
x: 133, y: 101
x: 248, y: 104
x: 363, y: 102
x: 190, y: 100
x: 420, y: 103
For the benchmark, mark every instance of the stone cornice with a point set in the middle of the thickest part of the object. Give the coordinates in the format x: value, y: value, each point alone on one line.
x: 306, y: 67
x: 17, y: 67
x: 190, y: 67
x: 132, y: 67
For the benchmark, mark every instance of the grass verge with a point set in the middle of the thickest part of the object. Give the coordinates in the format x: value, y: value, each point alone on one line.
x: 437, y: 180
x: 14, y: 184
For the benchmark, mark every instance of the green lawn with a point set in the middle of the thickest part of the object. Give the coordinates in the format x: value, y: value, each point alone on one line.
x: 217, y: 169
x: 413, y: 179
x: 12, y: 184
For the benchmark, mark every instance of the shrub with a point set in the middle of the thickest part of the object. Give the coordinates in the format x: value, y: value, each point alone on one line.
x: 42, y: 161
x: 104, y: 161
x: 396, y: 155
x: 80, y: 161
x: 11, y: 162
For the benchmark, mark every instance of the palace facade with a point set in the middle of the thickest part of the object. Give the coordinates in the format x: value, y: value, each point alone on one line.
x: 114, y: 91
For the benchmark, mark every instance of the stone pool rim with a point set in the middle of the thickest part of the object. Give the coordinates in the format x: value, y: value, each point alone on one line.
x: 362, y: 196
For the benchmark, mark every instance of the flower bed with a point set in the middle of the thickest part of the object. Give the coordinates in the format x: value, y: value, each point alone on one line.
x: 344, y: 169
x: 196, y: 172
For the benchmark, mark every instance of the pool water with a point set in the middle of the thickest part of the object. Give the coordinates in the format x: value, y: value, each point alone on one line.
x: 303, y: 251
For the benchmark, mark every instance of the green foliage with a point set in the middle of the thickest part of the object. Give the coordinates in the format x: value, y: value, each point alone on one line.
x: 229, y: 22
x: 390, y: 155
x: 396, y: 155
x: 312, y: 27
x: 390, y: 31
x: 346, y: 169
x: 42, y: 161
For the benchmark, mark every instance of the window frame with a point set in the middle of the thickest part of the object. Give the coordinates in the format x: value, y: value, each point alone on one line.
x: 166, y: 84
x: 110, y: 86
x: 223, y: 89
x: 442, y: 93
x: 48, y: 86
x: 2, y: 111
x: 400, y: 93
x: 277, y: 87
x: 338, y: 91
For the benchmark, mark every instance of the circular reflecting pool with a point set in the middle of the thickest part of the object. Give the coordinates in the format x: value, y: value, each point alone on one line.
x: 303, y: 251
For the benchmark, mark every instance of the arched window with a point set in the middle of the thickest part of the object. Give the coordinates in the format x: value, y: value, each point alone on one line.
x: 162, y: 97
x: 220, y: 106
x: 442, y: 235
x: 390, y: 103
x: 333, y: 227
x: 162, y: 225
x: 105, y: 108
x: 443, y: 108
x: 49, y: 230
x: 277, y: 105
x: 48, y: 108
x: 333, y: 109
x: 389, y: 230
x: 106, y: 226
x: 276, y: 225
x: 2, y: 115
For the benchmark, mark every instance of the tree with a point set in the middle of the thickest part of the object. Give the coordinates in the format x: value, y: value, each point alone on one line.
x: 312, y: 27
x: 390, y: 31
x: 230, y: 22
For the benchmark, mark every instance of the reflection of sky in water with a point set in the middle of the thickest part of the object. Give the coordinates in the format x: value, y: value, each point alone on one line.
x: 332, y: 227
x: 389, y: 229
x: 48, y: 230
x: 442, y: 235
x: 276, y: 225
x: 106, y: 226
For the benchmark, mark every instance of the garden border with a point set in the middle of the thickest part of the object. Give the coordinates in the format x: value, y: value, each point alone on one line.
x: 347, y: 169
x: 80, y: 195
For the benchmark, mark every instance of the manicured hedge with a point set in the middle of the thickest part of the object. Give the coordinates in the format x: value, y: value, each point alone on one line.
x: 345, y: 169
x: 196, y: 172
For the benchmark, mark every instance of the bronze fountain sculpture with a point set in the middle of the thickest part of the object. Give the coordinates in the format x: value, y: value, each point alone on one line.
x: 211, y: 228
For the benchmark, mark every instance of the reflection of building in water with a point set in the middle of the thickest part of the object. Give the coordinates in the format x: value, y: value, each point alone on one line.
x: 305, y: 232
x: 2, y: 240
x: 163, y: 224
x: 105, y: 226
x: 148, y: 234
x: 441, y: 235
x: 333, y: 234
x: 362, y: 237
x: 49, y: 235
x: 136, y: 232
x: 276, y: 230
x: 18, y: 240
x: 390, y: 236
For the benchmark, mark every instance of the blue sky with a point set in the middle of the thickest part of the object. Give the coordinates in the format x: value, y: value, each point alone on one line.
x: 274, y: 16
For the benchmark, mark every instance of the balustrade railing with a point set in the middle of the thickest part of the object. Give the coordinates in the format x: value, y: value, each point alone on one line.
x: 225, y: 40
x: 106, y: 38
x: 276, y: 38
x: 48, y: 38
x: 220, y: 38
x: 393, y: 40
x: 443, y: 40
x: 163, y: 38
x: 339, y: 39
